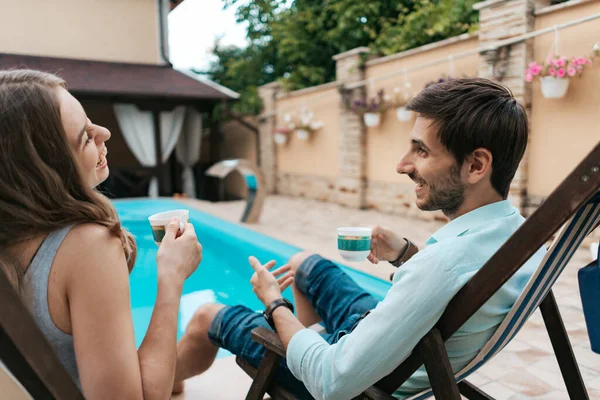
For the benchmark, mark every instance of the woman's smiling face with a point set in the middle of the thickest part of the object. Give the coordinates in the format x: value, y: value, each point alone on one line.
x: 88, y: 141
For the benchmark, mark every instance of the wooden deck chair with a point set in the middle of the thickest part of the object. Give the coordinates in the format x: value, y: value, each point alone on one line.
x: 26, y: 353
x: 575, y: 206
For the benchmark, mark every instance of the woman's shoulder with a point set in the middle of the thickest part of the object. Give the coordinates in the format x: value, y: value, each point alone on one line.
x: 92, y: 234
x: 92, y: 243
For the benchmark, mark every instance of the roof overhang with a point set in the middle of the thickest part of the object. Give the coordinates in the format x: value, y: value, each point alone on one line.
x: 145, y: 81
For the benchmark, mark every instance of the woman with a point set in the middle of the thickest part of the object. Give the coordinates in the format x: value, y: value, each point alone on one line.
x: 63, y: 246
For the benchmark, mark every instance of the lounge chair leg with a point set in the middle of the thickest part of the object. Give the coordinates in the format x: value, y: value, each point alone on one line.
x: 472, y: 392
x: 264, y: 375
x: 562, y: 348
x: 438, y: 367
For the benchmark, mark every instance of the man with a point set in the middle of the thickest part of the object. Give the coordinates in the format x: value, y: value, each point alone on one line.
x: 465, y: 147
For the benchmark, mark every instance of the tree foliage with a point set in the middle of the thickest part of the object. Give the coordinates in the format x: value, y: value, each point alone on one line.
x: 294, y: 41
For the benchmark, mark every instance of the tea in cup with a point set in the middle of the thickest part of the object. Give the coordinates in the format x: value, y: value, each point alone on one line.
x: 354, y: 243
x: 159, y: 222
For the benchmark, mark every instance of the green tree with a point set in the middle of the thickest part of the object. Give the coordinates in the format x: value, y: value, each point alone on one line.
x: 430, y: 21
x: 294, y: 41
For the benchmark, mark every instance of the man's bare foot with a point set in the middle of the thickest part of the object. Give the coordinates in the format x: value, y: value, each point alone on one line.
x: 177, y: 387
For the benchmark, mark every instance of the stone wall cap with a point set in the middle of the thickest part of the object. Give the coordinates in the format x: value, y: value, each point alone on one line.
x: 308, y: 90
x: 274, y: 84
x: 349, y: 53
x: 423, y: 49
x: 560, y: 6
x: 486, y: 4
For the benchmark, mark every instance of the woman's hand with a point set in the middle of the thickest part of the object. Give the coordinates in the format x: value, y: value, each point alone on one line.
x: 385, y: 245
x: 265, y: 283
x: 178, y: 256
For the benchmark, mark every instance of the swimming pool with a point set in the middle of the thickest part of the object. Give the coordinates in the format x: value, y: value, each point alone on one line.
x: 224, y: 274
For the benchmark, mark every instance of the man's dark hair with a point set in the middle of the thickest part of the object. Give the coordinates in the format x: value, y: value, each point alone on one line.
x: 473, y: 113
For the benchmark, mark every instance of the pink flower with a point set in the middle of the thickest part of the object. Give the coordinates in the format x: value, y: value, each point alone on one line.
x: 561, y: 62
x: 528, y: 77
x: 561, y: 72
x: 535, y: 70
x: 571, y: 71
x: 552, y: 71
x: 583, y: 61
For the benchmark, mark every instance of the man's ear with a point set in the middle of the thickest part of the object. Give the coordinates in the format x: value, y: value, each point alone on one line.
x: 479, y: 165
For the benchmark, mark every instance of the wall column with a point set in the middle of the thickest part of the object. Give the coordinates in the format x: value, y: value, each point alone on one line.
x: 500, y: 20
x: 266, y: 125
x: 351, y: 184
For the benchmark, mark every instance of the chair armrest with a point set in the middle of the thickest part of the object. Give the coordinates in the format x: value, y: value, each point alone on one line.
x: 268, y: 339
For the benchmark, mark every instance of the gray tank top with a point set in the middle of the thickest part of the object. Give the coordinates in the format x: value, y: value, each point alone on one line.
x: 35, y: 290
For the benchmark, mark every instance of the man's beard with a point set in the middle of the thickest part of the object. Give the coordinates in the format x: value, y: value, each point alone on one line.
x: 446, y: 193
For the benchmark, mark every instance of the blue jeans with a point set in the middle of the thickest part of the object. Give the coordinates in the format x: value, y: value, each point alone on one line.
x: 338, y: 300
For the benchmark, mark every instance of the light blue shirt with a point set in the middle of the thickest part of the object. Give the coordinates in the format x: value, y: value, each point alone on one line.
x: 421, y: 290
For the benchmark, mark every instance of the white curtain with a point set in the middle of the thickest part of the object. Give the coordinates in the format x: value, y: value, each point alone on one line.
x: 188, y: 149
x: 138, y: 130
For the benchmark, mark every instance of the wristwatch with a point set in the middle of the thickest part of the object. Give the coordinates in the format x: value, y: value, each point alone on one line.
x: 411, y: 250
x: 268, y: 313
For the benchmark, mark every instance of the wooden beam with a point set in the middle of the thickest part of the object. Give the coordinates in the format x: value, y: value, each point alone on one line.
x: 562, y: 349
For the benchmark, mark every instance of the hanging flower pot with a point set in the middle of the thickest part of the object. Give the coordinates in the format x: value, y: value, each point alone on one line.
x: 403, y: 114
x: 280, y: 136
x: 402, y: 97
x: 553, y: 87
x: 372, y: 119
x: 371, y: 110
x: 302, y: 134
x: 556, y: 74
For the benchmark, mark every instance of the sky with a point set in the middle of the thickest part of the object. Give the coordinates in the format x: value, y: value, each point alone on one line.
x: 193, y: 27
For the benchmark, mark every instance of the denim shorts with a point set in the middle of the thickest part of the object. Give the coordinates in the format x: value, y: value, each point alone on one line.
x: 338, y: 300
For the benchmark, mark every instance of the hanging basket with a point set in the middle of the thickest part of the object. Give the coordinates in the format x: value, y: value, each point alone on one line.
x: 302, y: 134
x: 554, y: 88
x: 280, y: 138
x: 372, y: 119
x: 403, y: 114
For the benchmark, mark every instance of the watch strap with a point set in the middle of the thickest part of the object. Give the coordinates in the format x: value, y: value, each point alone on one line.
x: 268, y: 313
x: 411, y: 250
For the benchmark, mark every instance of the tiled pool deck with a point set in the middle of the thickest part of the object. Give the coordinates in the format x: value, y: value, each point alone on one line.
x: 525, y: 369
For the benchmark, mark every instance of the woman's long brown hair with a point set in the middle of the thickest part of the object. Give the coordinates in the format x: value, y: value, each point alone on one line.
x: 40, y: 188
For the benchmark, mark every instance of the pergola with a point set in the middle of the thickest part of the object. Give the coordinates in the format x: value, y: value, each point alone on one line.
x: 152, y: 88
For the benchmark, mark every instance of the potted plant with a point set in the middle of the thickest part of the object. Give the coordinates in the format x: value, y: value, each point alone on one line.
x: 371, y: 110
x: 280, y: 136
x: 401, y: 99
x: 307, y: 125
x: 556, y: 73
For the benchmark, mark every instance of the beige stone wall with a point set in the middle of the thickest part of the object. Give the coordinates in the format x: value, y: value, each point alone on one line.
x: 315, y: 159
x: 310, y: 186
x: 564, y: 130
x: 107, y: 30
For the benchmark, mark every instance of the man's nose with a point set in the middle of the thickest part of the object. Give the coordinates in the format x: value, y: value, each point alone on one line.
x: 405, y: 166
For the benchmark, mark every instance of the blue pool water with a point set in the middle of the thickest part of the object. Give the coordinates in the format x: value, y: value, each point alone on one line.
x: 224, y: 274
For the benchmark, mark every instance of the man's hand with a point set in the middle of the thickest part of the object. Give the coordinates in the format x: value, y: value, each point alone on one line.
x: 385, y: 245
x: 265, y: 283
